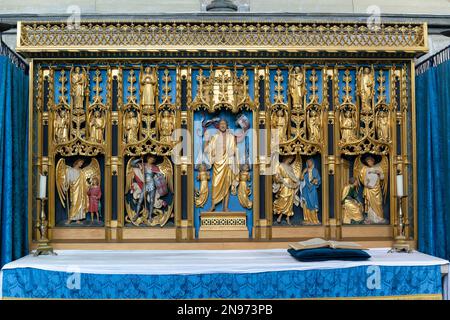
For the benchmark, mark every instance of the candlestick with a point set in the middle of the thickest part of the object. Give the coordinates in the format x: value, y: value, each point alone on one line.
x: 400, y: 243
x: 400, y: 185
x: 44, y: 247
x: 42, y: 186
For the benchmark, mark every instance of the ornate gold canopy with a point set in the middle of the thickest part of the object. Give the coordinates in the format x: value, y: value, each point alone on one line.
x: 91, y: 36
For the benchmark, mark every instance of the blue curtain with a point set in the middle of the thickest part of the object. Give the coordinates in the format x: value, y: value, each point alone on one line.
x: 433, y: 162
x: 13, y: 157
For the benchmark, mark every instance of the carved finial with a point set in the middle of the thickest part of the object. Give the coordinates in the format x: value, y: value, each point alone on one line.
x: 222, y: 5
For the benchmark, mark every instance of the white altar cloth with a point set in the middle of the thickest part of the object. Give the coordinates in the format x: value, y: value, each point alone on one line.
x: 188, y: 262
x: 163, y: 262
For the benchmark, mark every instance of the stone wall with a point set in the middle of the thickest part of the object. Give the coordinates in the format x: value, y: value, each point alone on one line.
x: 435, y: 12
x: 47, y: 7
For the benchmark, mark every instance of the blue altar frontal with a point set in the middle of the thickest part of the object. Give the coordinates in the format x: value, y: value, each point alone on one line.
x: 221, y: 274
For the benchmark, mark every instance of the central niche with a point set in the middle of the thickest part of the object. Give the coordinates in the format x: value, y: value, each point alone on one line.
x: 223, y: 111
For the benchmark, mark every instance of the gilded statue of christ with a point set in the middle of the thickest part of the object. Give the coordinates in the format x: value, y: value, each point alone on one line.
x: 222, y: 153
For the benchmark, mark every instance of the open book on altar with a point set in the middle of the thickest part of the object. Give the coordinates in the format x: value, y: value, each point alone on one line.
x: 321, y: 243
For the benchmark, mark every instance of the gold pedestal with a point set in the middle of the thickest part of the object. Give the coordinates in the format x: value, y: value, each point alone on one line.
x: 400, y: 244
x: 44, y: 247
x: 220, y: 220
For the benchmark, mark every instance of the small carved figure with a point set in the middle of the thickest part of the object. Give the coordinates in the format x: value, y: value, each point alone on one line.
x: 296, y: 88
x: 279, y: 123
x: 61, y: 126
x: 166, y: 126
x: 94, y: 194
x: 352, y: 209
x: 131, y: 127
x: 78, y: 85
x: 244, y: 190
x: 201, y: 195
x: 366, y: 84
x: 348, y: 127
x: 314, y: 126
x: 148, y: 82
x: 97, y: 127
x: 383, y: 126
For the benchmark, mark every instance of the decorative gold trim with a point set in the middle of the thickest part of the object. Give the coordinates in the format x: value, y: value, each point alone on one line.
x: 221, y: 35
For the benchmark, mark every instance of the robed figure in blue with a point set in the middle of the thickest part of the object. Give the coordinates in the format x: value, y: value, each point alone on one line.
x: 310, y: 182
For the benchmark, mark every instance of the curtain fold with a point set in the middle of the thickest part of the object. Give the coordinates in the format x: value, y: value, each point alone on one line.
x: 433, y: 143
x: 13, y: 158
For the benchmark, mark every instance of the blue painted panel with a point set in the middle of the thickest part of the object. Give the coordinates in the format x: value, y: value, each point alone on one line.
x: 245, y: 144
x: 319, y: 84
x: 172, y: 84
x: 284, y: 84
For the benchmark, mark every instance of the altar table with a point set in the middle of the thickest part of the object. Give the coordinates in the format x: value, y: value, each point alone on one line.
x: 221, y: 274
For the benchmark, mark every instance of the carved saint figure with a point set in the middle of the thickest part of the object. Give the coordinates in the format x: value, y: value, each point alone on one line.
x: 166, y: 126
x: 286, y: 185
x: 352, y: 209
x: 61, y: 126
x: 314, y: 126
x: 348, y: 127
x: 131, y: 127
x: 201, y: 195
x: 97, y: 127
x: 147, y: 182
x: 383, y: 126
x: 310, y: 182
x: 76, y: 181
x: 78, y: 85
x: 279, y: 124
x: 94, y: 194
x: 296, y: 88
x: 222, y: 154
x: 366, y: 84
x: 148, y: 82
x: 373, y: 178
x: 244, y: 190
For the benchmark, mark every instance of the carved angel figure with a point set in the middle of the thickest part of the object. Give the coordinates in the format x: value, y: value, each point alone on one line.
x: 148, y: 81
x: 279, y: 124
x: 147, y: 183
x: 373, y: 177
x: 201, y: 195
x: 366, y: 85
x: 73, y: 185
x: 286, y: 185
x: 244, y: 191
x: 296, y: 88
x: 166, y: 126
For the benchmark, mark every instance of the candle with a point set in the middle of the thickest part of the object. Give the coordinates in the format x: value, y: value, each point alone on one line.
x: 42, y: 186
x: 400, y: 185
